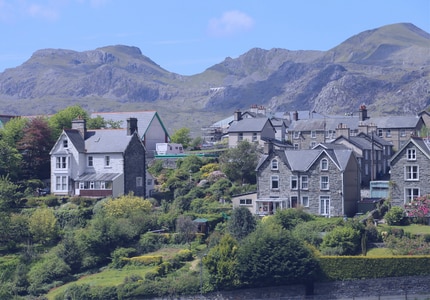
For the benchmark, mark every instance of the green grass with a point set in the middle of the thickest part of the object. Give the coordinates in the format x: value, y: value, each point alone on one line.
x: 379, y: 252
x: 114, y: 277
x: 412, y: 228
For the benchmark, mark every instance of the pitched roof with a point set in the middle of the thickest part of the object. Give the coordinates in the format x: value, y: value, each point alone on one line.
x: 393, y: 121
x: 249, y: 125
x: 329, y: 123
x: 107, y: 141
x: 420, y: 143
x: 75, y: 138
x: 144, y: 119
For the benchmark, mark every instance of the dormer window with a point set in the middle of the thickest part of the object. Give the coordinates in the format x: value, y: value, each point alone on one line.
x: 65, y: 143
x: 324, y: 164
x: 274, y: 164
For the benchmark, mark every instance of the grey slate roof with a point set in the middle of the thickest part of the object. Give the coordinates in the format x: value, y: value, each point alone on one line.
x: 420, y: 143
x: 329, y: 123
x: 76, y: 139
x: 249, y: 125
x: 107, y: 141
x: 98, y: 176
x: 394, y: 121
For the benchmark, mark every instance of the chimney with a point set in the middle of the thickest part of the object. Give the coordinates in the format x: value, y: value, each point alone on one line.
x: 342, y: 130
x: 80, y: 125
x: 295, y: 116
x: 237, y: 115
x: 261, y: 110
x: 131, y: 126
x: 268, y: 147
x: 253, y: 108
x: 362, y: 113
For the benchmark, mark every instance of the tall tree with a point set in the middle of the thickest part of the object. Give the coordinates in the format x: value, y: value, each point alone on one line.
x: 241, y: 223
x: 10, y: 161
x: 63, y: 119
x: 35, y: 146
x: 12, y: 131
x: 239, y: 163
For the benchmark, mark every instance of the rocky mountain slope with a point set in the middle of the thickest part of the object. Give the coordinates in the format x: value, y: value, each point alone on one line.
x: 387, y: 68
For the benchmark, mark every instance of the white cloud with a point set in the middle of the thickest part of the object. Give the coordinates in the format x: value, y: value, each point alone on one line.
x: 230, y: 23
x: 42, y: 12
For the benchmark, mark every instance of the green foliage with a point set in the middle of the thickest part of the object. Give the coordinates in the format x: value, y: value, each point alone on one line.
x: 186, y: 229
x: 9, y: 194
x: 181, y: 136
x: 10, y: 160
x: 395, y: 216
x: 406, y: 245
x: 150, y: 242
x: 239, y: 163
x: 309, y: 232
x: 289, y: 218
x: 360, y: 267
x: 271, y: 255
x: 63, y: 119
x: 341, y: 241
x: 118, y: 256
x: 241, y: 223
x: 43, y: 225
x: 222, y: 263
x: 127, y: 205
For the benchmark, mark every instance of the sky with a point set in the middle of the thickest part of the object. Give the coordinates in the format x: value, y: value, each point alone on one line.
x: 189, y: 36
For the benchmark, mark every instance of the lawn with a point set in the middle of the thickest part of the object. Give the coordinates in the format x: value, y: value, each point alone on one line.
x: 412, y: 228
x: 113, y: 277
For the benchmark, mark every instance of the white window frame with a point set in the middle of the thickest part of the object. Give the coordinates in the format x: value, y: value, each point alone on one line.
x: 90, y: 161
x: 305, y: 201
x: 313, y: 134
x: 324, y: 208
x: 411, y: 193
x: 107, y: 161
x: 402, y: 132
x: 65, y: 143
x: 324, y: 184
x: 324, y: 164
x: 275, y: 164
x: 388, y: 133
x: 273, y: 179
x: 294, y: 182
x: 254, y: 137
x: 411, y: 154
x: 296, y: 135
x: 304, y: 182
x: 412, y: 173
x: 139, y: 181
x: 61, y: 162
x: 245, y: 202
x: 61, y: 183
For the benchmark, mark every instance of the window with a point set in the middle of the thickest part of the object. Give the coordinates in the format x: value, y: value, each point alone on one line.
x: 65, y: 143
x: 411, y: 173
x: 240, y: 137
x: 296, y: 146
x: 148, y: 181
x: 81, y: 185
x: 274, y: 164
x: 90, y: 161
x: 139, y: 181
x: 305, y: 201
x: 294, y: 182
x: 324, y: 164
x: 296, y: 134
x: 294, y: 201
x: 388, y: 133
x: 61, y: 162
x: 61, y: 183
x: 411, y: 194
x: 412, y: 154
x: 92, y: 186
x: 312, y: 145
x: 274, y: 182
x: 103, y: 185
x: 402, y: 132
x: 380, y: 133
x: 107, y: 161
x: 313, y: 134
x: 304, y: 181
x: 254, y: 137
x: 245, y: 201
x: 325, y: 205
x: 324, y: 183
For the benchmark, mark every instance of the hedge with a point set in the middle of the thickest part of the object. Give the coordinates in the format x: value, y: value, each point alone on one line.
x: 145, y: 260
x: 361, y: 267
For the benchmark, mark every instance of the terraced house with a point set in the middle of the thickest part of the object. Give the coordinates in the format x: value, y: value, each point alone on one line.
x: 322, y: 181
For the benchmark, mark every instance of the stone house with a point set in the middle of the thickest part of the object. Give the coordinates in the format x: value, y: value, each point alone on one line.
x: 322, y: 181
x: 410, y: 171
x: 98, y: 163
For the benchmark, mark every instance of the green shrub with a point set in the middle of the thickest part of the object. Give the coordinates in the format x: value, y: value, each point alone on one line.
x: 118, y: 256
x: 395, y: 216
x: 150, y: 242
x: 145, y: 260
x: 185, y: 255
x: 341, y: 241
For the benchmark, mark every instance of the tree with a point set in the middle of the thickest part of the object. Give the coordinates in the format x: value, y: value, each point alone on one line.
x: 241, y: 223
x: 271, y: 255
x: 10, y: 160
x: 181, y: 136
x: 99, y: 122
x: 63, y: 119
x: 239, y: 163
x: 12, y: 131
x: 341, y: 241
x: 9, y: 194
x: 43, y: 225
x: 186, y: 229
x: 222, y: 263
x: 35, y: 145
x: 289, y: 218
x: 126, y: 206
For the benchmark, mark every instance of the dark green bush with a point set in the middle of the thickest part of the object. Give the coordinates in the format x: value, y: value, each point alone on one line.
x: 395, y: 216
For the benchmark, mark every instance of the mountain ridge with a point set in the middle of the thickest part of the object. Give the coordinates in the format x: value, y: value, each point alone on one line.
x: 387, y: 68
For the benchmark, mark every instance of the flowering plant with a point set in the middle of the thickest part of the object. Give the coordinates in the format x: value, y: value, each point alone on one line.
x: 419, y: 208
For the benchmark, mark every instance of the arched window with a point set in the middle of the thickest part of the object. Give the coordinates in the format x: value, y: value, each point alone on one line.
x: 324, y: 164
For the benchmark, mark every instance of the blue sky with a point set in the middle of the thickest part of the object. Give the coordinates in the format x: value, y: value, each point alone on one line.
x: 188, y: 36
